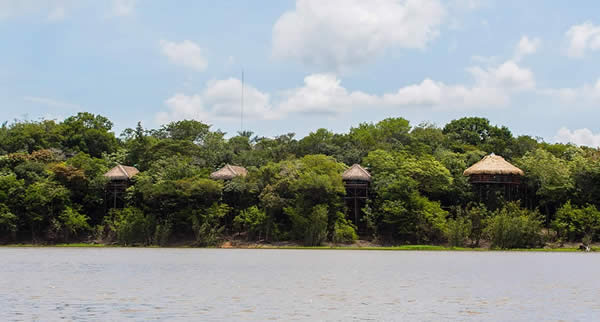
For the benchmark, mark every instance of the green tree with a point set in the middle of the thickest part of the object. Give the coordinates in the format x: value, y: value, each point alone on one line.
x: 207, y: 224
x: 88, y: 133
x: 318, y: 190
x: 73, y: 222
x: 514, y: 227
x: 403, y: 214
x: 44, y: 201
x: 575, y: 223
x: 549, y: 177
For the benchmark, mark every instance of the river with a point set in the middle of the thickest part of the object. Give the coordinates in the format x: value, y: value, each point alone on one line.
x: 140, y: 284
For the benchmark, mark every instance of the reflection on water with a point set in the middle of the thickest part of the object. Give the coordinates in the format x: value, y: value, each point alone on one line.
x: 202, y: 284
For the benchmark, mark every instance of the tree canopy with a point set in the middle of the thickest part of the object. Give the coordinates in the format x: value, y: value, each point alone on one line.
x: 52, y: 186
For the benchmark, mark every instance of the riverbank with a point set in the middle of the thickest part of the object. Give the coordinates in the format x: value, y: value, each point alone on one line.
x: 292, y: 246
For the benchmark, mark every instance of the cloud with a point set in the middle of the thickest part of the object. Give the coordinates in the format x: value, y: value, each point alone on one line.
x: 582, y: 38
x: 508, y: 76
x: 323, y: 94
x: 493, y: 87
x: 468, y: 4
x: 579, y: 137
x: 220, y: 100
x: 337, y: 34
x: 55, y: 10
x: 51, y: 102
x: 588, y: 94
x: 186, y: 53
x: 526, y: 47
x: 123, y: 7
x: 438, y: 94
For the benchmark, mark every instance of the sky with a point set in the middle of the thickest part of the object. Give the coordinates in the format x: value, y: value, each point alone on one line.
x: 533, y: 66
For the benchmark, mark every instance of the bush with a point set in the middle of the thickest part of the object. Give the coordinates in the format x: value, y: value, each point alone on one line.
x: 477, y: 215
x: 131, y: 226
x: 162, y: 233
x: 312, y: 229
x: 207, y: 224
x: 514, y: 227
x: 458, y: 231
x: 574, y: 223
x: 8, y: 221
x: 344, y: 232
x: 73, y: 223
x: 252, y: 220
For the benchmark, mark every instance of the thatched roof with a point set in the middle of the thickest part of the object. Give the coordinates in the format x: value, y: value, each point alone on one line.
x: 493, y: 164
x: 356, y: 172
x: 121, y: 172
x: 229, y: 172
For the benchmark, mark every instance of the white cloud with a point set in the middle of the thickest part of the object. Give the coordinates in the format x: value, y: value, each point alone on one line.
x: 438, y: 94
x: 468, y: 4
x: 587, y: 94
x: 337, y: 34
x: 526, y: 47
x: 579, y: 137
x: 507, y: 76
x: 123, y: 7
x: 323, y: 94
x: 186, y: 53
x: 221, y: 100
x: 53, y: 10
x: 582, y: 38
x: 51, y: 102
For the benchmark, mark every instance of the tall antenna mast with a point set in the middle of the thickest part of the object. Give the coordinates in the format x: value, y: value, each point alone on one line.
x: 242, y: 109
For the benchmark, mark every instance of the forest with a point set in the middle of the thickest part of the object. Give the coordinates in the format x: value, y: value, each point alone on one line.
x: 53, y: 188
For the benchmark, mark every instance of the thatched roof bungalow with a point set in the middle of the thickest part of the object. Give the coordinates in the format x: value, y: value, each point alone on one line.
x: 229, y: 172
x: 493, y: 169
x: 356, y: 173
x: 356, y: 180
x: 121, y: 173
x: 119, y: 179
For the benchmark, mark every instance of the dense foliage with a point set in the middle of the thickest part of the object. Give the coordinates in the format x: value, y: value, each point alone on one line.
x: 52, y: 187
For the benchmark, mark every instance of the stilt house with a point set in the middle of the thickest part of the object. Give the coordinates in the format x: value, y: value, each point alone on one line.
x: 229, y: 172
x: 119, y: 180
x: 356, y: 180
x: 494, y: 174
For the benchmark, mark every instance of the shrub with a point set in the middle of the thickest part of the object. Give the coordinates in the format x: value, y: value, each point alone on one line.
x: 8, y: 220
x: 207, y: 225
x: 131, y: 226
x: 252, y: 220
x: 73, y: 223
x: 344, y: 231
x: 514, y: 227
x: 312, y: 229
x: 575, y: 223
x: 477, y: 215
x: 162, y: 233
x: 458, y: 231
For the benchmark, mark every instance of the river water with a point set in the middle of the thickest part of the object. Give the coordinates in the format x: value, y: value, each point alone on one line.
x: 104, y: 284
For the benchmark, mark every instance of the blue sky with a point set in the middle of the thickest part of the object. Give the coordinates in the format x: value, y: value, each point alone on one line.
x: 530, y: 65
